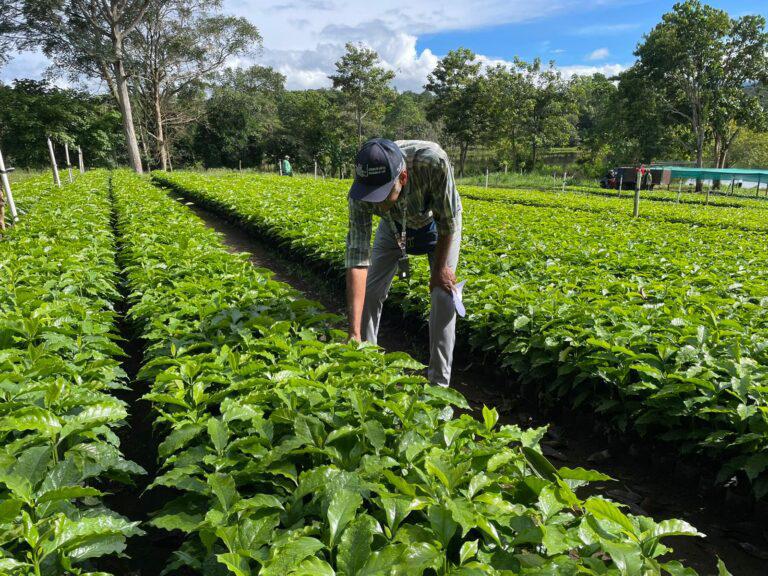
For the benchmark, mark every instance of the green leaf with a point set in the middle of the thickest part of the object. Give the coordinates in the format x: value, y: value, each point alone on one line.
x: 605, y: 510
x: 341, y: 511
x: 68, y: 493
x: 219, y: 434
x: 490, y: 417
x: 355, y: 545
x: 540, y: 465
x: 235, y: 563
x: 721, y: 569
x: 223, y: 486
x: 442, y: 524
x: 288, y: 556
x: 375, y: 434
x: 468, y: 550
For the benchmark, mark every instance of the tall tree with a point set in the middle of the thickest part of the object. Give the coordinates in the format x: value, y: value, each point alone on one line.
x: 509, y: 102
x: 406, y: 118
x: 10, y: 28
x: 180, y: 44
x: 241, y: 117
x: 701, y: 58
x: 31, y: 109
x: 313, y: 130
x: 456, y: 83
x: 88, y: 37
x: 363, y: 82
x: 550, y: 121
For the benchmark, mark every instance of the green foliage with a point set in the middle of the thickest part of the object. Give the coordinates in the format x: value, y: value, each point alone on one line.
x: 241, y: 115
x: 363, y: 83
x: 703, y: 62
x: 32, y: 109
x: 459, y: 103
x: 658, y: 326
x: 60, y: 369
x: 295, y: 452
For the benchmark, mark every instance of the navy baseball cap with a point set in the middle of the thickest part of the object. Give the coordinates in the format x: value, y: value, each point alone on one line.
x: 377, y: 165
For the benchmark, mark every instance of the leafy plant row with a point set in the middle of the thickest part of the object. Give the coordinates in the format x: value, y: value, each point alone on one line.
x: 741, y: 198
x: 59, y: 371
x: 742, y: 218
x: 660, y: 328
x: 744, y: 198
x: 294, y: 452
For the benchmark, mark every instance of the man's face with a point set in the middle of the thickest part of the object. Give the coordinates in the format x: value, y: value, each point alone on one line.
x: 394, y: 194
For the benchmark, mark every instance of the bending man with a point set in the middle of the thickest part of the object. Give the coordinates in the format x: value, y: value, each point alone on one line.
x: 409, y: 184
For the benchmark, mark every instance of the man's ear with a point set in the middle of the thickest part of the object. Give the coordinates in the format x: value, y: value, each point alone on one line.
x: 404, y: 177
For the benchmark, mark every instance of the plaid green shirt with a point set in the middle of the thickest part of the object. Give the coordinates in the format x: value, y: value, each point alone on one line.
x: 430, y: 194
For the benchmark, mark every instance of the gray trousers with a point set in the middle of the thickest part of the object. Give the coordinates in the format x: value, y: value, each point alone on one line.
x: 442, y: 314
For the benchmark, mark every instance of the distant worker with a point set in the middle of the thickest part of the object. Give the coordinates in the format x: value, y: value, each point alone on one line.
x: 409, y: 184
x: 286, y: 167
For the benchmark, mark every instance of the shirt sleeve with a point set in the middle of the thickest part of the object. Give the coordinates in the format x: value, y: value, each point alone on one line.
x: 359, y: 235
x: 435, y: 172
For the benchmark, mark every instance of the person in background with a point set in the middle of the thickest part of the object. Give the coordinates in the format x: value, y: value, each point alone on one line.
x: 286, y: 166
x: 409, y: 185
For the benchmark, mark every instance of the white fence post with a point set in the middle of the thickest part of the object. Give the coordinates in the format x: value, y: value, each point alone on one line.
x: 486, y: 177
x: 80, y: 161
x: 7, y: 189
x: 54, y: 167
x: 69, y: 165
x: 315, y: 169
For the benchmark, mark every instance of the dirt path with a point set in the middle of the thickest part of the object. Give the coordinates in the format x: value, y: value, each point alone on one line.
x: 645, y: 479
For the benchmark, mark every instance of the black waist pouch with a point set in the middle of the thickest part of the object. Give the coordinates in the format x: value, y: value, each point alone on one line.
x: 421, y: 240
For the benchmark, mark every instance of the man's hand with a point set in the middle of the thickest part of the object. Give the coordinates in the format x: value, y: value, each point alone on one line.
x: 355, y: 299
x: 443, y: 278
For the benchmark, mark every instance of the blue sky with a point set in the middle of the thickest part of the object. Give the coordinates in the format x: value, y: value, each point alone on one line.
x: 579, y: 35
x: 303, y: 38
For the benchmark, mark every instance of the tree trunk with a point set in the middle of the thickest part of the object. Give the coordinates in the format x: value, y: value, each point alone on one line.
x: 534, y: 151
x: 144, y: 147
x: 162, y: 145
x: 124, y: 101
x: 699, y: 157
x: 462, y: 158
x: 359, y: 128
x: 513, y: 142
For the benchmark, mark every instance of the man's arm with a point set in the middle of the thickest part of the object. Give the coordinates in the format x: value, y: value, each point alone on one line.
x: 357, y: 259
x: 442, y: 276
x: 445, y: 204
x: 356, y: 278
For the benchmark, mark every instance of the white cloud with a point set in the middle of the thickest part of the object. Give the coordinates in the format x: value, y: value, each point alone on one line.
x: 303, y: 38
x: 599, y: 54
x: 306, y: 53
x: 605, y: 69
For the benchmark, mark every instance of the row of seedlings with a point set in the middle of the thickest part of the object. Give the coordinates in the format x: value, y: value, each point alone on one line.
x: 59, y: 373
x: 295, y: 452
x: 659, y: 328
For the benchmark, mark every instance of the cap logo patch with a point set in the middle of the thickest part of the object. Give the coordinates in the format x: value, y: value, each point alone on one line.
x: 368, y: 170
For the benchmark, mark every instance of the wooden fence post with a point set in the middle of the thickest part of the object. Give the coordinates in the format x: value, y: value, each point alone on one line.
x: 54, y: 167
x: 80, y: 161
x: 8, y: 194
x: 565, y: 174
x: 69, y: 165
x: 621, y: 182
x: 636, y: 207
x: 486, y: 177
x: 680, y: 191
x: 315, y: 168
